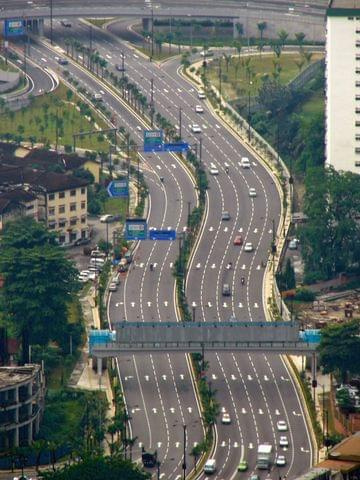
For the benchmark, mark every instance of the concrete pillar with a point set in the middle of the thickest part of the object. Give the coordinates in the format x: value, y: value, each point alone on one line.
x: 16, y: 437
x: 41, y: 27
x: 99, y: 366
x: 35, y: 26
x: 30, y: 433
x: 146, y: 24
x: 17, y: 394
x: 235, y: 31
x: 314, y: 366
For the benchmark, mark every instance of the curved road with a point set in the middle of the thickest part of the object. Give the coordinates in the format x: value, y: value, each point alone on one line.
x: 256, y: 390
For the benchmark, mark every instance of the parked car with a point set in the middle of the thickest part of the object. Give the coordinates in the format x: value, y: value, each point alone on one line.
x: 112, y: 287
x: 199, y: 109
x: 195, y: 128
x: 225, y: 215
x: 248, y: 247
x: 106, y: 218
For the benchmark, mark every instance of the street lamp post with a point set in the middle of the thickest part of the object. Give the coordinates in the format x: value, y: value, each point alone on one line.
x: 184, y: 457
x: 152, y: 31
x: 249, y: 113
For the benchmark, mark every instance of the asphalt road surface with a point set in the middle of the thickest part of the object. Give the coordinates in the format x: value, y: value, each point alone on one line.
x: 256, y: 390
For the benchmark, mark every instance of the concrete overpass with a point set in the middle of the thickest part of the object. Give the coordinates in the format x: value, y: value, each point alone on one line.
x: 187, y: 337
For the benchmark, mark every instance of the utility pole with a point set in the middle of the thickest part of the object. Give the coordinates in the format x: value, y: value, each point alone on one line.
x: 51, y: 22
x: 200, y: 150
x: 152, y: 31
x: 122, y: 64
x: 152, y: 102
x: 90, y: 47
x: 184, y: 458
x: 180, y: 121
x: 128, y: 173
x: 220, y: 75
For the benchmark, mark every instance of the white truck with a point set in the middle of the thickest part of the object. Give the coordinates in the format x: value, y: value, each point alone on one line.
x: 263, y: 459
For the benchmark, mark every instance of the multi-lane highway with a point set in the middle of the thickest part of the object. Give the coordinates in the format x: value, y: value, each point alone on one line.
x: 256, y: 390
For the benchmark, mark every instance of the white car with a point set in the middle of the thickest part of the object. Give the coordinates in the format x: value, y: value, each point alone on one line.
x: 83, y: 279
x: 112, y: 287
x: 245, y: 162
x: 195, y: 128
x: 281, y: 426
x: 199, y: 109
x: 225, y: 419
x: 248, y: 247
x: 293, y: 244
x: 201, y: 95
x: 106, y: 218
x: 252, y: 192
x: 214, y: 171
x: 283, y: 442
x: 280, y: 461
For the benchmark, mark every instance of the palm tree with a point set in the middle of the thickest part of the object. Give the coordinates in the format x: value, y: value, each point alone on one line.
x: 67, y: 45
x: 131, y: 443
x: 103, y: 64
x: 300, y: 39
x: 260, y: 47
x: 196, y: 453
x: 277, y: 49
x: 38, y: 447
x: 238, y: 46
x: 159, y: 40
x: 261, y: 27
x: 283, y: 35
x: 227, y: 59
x: 300, y: 64
x: 307, y: 57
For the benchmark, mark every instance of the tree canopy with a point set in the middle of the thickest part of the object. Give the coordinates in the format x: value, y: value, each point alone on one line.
x: 38, y: 283
x: 98, y: 468
x: 339, y: 348
x: 331, y: 236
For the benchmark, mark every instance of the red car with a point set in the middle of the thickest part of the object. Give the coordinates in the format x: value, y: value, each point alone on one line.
x: 238, y: 240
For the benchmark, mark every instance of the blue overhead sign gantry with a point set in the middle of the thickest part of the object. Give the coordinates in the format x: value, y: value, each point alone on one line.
x: 162, y: 234
x: 135, y: 229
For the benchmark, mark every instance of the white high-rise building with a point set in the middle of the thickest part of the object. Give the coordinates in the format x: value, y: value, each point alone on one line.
x: 343, y: 85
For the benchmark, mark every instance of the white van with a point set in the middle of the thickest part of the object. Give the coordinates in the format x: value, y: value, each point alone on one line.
x: 245, y: 162
x: 201, y: 95
x: 98, y: 97
x: 210, y: 466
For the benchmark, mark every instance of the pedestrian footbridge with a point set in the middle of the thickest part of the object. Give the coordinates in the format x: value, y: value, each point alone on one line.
x: 187, y: 337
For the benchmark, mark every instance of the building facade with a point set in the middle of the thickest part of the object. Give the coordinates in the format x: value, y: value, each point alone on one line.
x: 343, y: 85
x: 22, y: 391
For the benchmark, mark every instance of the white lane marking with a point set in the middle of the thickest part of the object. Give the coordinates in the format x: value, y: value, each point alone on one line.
x: 43, y: 59
x: 240, y: 305
x: 209, y: 304
x: 177, y: 444
x: 240, y: 230
x: 256, y: 305
x: 297, y: 414
x: 189, y: 409
x: 159, y: 444
x: 182, y: 376
x: 154, y: 410
x: 225, y: 305
x: 213, y: 266
x: 251, y: 446
x: 249, y: 377
x: 302, y: 449
x: 166, y: 91
x: 284, y: 379
x: 243, y: 411
x: 277, y: 412
x: 223, y: 444
x: 233, y: 377
x: 266, y: 378
x: 255, y: 230
x: 172, y: 409
x: 149, y: 304
x: 164, y: 377
x: 213, y: 376
x: 211, y: 229
x: 226, y: 229
x: 147, y: 378
x: 166, y: 303
x: 236, y: 445
x: 132, y: 304
x: 243, y: 267
x: 261, y: 412
x: 198, y: 265
x: 158, y: 167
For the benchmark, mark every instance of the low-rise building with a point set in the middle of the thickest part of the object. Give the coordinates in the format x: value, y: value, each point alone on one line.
x: 22, y: 391
x: 61, y: 200
x: 17, y: 203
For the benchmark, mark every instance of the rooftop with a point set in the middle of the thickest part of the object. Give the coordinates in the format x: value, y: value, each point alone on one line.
x: 339, y: 7
x: 10, y: 376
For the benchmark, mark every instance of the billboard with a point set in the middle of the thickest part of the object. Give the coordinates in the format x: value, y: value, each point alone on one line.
x: 118, y: 188
x: 135, y: 229
x: 14, y: 27
x: 153, y: 140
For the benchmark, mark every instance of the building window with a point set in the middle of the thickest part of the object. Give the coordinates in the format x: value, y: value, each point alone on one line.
x: 357, y: 57
x: 357, y: 150
x: 83, y: 205
x: 62, y: 239
x: 72, y: 207
x: 83, y: 219
x: 51, y: 225
x: 29, y: 207
x: 357, y: 84
x: 357, y: 97
x: 62, y: 223
x: 61, y: 194
x: 52, y: 196
x: 357, y: 110
x: 357, y: 30
x: 357, y: 124
x: 357, y: 137
x: 350, y: 18
x: 357, y: 163
x: 61, y: 208
x: 72, y: 193
x: 83, y: 190
x: 73, y: 221
x: 357, y: 44
x: 52, y: 211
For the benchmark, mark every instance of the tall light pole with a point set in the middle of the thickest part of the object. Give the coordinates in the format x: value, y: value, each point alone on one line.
x: 249, y: 113
x: 152, y: 31
x: 180, y: 121
x: 51, y: 22
x: 184, y: 457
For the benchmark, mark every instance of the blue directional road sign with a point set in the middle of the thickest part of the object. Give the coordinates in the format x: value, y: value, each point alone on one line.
x: 153, y: 140
x: 13, y: 27
x: 162, y: 234
x: 176, y: 147
x: 135, y: 229
x: 118, y: 188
